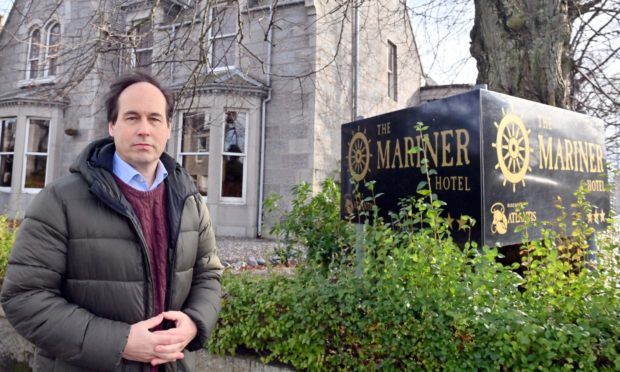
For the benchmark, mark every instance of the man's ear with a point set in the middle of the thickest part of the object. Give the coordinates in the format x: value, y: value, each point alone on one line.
x: 111, y: 128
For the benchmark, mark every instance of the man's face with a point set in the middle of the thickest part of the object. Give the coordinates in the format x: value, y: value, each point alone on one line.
x: 141, y: 129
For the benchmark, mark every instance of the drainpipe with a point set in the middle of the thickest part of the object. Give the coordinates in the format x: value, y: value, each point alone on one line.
x: 263, y: 123
x: 355, y: 62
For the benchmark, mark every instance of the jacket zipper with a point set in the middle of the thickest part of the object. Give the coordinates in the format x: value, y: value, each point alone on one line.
x: 172, y: 256
x: 136, y: 227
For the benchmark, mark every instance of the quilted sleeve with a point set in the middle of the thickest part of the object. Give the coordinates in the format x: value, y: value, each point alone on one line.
x: 32, y: 293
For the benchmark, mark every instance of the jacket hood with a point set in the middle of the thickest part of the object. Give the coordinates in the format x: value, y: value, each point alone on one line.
x: 94, y: 164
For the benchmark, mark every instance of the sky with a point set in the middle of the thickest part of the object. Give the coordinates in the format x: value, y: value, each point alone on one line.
x: 441, y: 29
x: 5, y: 6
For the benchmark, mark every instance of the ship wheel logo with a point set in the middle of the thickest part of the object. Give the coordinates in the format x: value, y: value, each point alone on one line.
x: 359, y: 156
x: 513, y: 149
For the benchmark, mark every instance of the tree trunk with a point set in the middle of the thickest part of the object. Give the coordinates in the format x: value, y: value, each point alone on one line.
x: 522, y: 48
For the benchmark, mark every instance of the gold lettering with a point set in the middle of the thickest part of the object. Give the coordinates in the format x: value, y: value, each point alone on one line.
x: 452, y: 183
x: 432, y: 151
x: 520, y: 217
x: 408, y: 154
x: 462, y: 141
x: 419, y: 141
x: 568, y: 146
x: 592, y: 160
x: 569, y: 155
x: 383, y: 128
x: 545, y: 154
x: 446, y: 186
x: 544, y: 123
x: 383, y: 160
x: 599, y: 157
x: 583, y: 158
x: 559, y: 155
x: 576, y: 162
x: 595, y: 185
x: 397, y: 155
x: 445, y: 154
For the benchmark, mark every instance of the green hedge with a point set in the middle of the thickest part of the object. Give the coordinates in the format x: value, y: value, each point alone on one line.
x: 423, y: 303
x: 7, y: 236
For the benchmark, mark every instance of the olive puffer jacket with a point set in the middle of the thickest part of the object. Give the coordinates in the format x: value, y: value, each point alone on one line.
x: 79, y: 276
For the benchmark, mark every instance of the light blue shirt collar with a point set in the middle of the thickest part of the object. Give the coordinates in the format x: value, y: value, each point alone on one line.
x: 133, y: 178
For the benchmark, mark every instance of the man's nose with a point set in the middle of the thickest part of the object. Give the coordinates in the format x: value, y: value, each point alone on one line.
x: 144, y: 127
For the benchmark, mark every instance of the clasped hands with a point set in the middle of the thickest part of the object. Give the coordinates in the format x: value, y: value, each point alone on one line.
x: 158, y: 347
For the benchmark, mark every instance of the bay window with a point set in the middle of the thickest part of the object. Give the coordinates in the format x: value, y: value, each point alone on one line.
x: 35, y: 156
x: 8, y: 128
x: 234, y: 155
x: 194, y: 154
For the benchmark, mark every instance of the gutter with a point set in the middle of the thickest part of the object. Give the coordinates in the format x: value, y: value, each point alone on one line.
x: 263, y: 123
x: 355, y: 64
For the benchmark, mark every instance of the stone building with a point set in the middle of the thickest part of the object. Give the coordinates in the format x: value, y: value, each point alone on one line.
x: 262, y: 86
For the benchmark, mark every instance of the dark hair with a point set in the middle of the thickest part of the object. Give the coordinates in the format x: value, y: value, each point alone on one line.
x: 117, y: 87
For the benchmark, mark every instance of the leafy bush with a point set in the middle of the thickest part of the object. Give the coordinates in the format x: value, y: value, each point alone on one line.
x: 423, y: 303
x: 314, y: 223
x: 7, y: 236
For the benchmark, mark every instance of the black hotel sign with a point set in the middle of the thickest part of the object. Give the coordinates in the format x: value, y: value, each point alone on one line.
x: 498, y: 158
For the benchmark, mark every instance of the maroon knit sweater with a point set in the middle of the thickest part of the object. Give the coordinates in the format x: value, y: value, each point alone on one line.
x: 150, y: 208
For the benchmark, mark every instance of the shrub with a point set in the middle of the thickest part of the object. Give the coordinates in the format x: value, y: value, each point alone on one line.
x: 7, y: 236
x: 314, y: 223
x: 423, y: 303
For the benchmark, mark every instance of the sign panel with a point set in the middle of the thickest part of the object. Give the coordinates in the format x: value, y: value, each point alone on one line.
x: 496, y: 157
x: 533, y: 153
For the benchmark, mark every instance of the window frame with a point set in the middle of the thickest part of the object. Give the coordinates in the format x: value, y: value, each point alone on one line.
x: 26, y: 153
x: 30, y: 58
x: 49, y: 56
x: 392, y: 71
x: 213, y: 38
x: 243, y: 155
x: 137, y: 33
x: 3, y: 120
x: 43, y: 56
x: 181, y: 153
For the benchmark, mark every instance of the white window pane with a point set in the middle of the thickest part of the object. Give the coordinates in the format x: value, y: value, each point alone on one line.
x: 33, y: 69
x: 36, y: 164
x: 35, y: 42
x: 198, y: 168
x: 6, y: 170
x: 7, y: 136
x: 54, y: 35
x: 144, y: 35
x: 33, y: 54
x: 232, y: 176
x: 223, y: 52
x: 144, y: 58
x: 392, y: 71
x: 196, y: 133
x: 224, y: 21
x: 52, y: 64
x: 7, y: 147
x: 38, y: 134
x: 234, y: 135
x: 35, y: 171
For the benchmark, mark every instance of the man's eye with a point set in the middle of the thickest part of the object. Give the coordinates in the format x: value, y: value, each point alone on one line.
x: 132, y: 118
x: 156, y: 120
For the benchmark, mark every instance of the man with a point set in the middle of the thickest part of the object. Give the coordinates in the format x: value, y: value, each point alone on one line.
x: 114, y: 267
